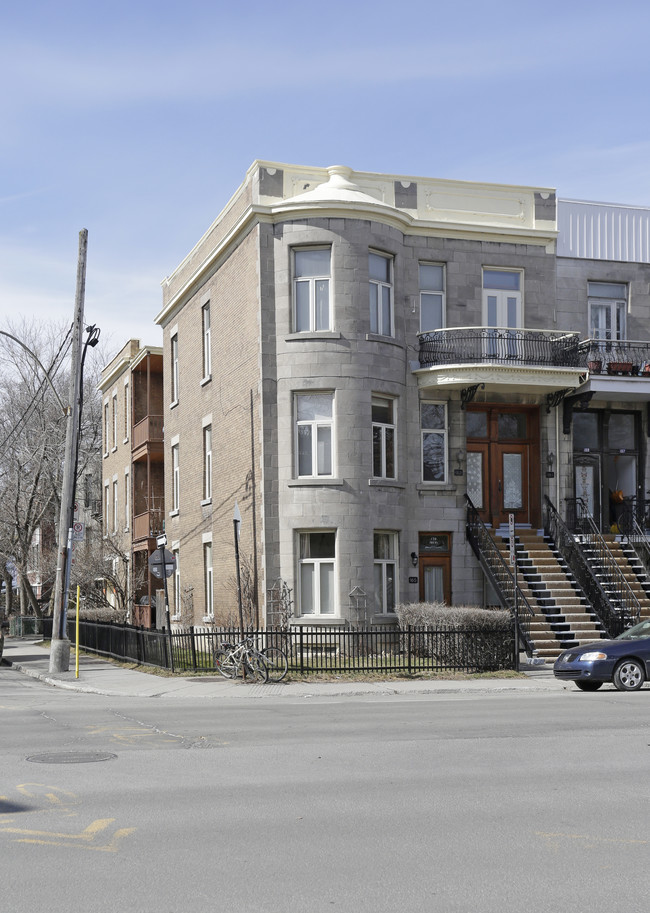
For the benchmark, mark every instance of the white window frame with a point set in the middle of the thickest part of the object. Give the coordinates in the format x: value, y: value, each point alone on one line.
x: 318, y: 429
x: 208, y: 577
x: 115, y: 505
x: 377, y: 288
x: 317, y: 566
x: 444, y: 434
x: 107, y: 507
x: 207, y: 462
x: 507, y: 304
x: 174, y: 368
x: 127, y: 411
x: 384, y: 431
x: 114, y: 407
x: 107, y: 427
x: 127, y: 500
x: 311, y: 282
x: 176, y: 475
x: 440, y: 293
x: 614, y: 307
x: 176, y: 552
x: 206, y: 336
x: 381, y: 567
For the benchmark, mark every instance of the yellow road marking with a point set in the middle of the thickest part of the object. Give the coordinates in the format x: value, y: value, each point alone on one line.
x: 84, y: 840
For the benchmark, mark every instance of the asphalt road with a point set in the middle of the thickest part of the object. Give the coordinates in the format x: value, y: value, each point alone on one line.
x: 479, y: 804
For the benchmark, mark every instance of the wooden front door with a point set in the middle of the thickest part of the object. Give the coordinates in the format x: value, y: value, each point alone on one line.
x: 503, y: 463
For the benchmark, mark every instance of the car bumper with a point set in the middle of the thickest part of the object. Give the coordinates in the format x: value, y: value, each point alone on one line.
x: 600, y: 671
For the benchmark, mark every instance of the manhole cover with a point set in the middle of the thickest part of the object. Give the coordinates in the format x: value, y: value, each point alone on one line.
x: 71, y: 757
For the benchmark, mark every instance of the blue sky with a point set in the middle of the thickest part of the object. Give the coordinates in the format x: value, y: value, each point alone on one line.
x: 138, y: 120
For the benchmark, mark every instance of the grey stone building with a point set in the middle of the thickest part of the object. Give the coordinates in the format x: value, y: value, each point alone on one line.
x: 298, y: 382
x: 349, y: 356
x: 603, y: 292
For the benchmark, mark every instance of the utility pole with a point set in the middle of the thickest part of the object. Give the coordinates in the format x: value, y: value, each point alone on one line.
x: 60, y: 649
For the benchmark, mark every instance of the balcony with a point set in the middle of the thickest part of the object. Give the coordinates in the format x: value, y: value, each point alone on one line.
x: 618, y: 369
x: 501, y: 359
x: 148, y: 430
x: 147, y: 525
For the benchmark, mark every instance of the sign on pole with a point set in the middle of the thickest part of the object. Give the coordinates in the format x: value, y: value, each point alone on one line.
x: 162, y: 568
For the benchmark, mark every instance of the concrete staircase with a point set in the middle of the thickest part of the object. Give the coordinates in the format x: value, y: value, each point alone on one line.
x: 562, y: 616
x: 630, y: 566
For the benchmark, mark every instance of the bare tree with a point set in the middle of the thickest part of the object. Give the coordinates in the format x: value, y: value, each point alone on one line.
x: 32, y: 442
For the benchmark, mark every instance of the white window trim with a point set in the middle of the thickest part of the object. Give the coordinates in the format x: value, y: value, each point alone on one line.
x: 206, y: 341
x: 311, y: 282
x: 176, y: 485
x: 107, y: 506
x: 127, y: 500
x: 315, y: 424
x: 116, y: 519
x: 502, y: 295
x: 127, y: 411
x: 114, y: 422
x: 442, y: 292
x: 382, y: 427
x: 207, y: 468
x: 383, y: 563
x: 445, y: 435
x: 208, y: 577
x: 107, y: 426
x: 317, y: 563
x: 390, y: 285
x: 174, y: 351
x: 175, y: 550
x: 613, y: 304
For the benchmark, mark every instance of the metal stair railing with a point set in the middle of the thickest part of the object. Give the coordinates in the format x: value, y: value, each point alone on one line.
x: 635, y: 535
x: 617, y: 609
x: 500, y: 576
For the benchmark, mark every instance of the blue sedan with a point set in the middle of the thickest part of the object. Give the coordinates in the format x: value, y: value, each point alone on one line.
x: 625, y: 661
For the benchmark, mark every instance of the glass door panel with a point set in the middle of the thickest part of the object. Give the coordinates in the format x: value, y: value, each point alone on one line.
x: 512, y: 482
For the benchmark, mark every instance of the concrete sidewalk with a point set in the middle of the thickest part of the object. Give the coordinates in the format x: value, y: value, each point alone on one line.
x: 96, y: 676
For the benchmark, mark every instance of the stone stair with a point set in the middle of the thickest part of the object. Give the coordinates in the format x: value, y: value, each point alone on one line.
x: 562, y: 616
x: 630, y: 566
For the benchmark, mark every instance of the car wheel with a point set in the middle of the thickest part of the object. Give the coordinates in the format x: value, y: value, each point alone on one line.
x: 629, y: 675
x: 589, y: 686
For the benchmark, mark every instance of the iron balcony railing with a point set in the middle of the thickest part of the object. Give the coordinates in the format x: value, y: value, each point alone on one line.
x: 499, y: 574
x: 601, y: 579
x: 616, y: 356
x: 501, y: 346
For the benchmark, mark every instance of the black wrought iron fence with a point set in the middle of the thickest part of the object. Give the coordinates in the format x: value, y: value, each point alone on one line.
x: 311, y: 649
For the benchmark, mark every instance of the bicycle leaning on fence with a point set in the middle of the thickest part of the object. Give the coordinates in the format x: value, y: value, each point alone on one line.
x: 243, y: 658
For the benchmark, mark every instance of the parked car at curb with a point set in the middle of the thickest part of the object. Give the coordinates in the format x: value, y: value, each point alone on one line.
x: 624, y: 661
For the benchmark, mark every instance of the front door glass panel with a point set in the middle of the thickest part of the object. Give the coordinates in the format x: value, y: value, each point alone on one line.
x: 475, y: 479
x: 434, y: 584
x: 512, y: 481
